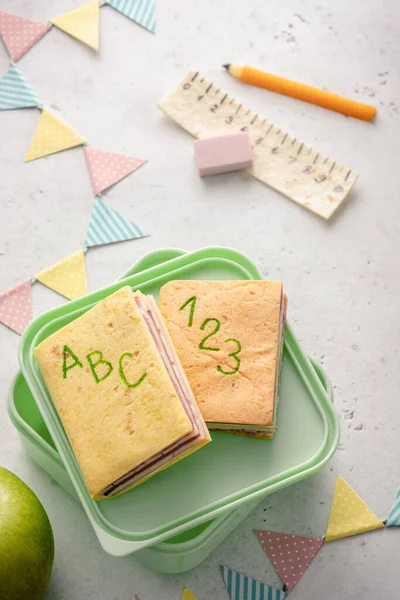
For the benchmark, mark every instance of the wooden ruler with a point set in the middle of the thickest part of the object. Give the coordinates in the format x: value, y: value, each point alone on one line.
x: 304, y: 175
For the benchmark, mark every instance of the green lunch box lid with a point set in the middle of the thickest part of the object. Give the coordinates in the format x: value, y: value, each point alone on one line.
x: 227, y: 473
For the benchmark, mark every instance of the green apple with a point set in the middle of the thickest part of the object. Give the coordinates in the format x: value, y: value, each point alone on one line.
x: 26, y: 541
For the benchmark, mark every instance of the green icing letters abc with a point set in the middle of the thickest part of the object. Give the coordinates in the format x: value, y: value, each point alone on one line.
x: 99, y: 367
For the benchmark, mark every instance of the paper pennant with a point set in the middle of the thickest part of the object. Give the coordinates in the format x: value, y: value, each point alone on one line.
x: 52, y: 135
x: 15, y: 91
x: 16, y: 307
x: 142, y: 12
x: 187, y: 595
x: 106, y: 168
x: 349, y: 514
x: 241, y: 587
x: 290, y: 554
x: 67, y: 277
x: 394, y: 516
x: 19, y: 35
x: 108, y: 225
x: 82, y: 23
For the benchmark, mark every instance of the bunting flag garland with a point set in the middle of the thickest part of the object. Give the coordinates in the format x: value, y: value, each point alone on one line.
x: 143, y: 12
x: 15, y: 91
x: 187, y: 595
x: 19, y: 35
x: 82, y: 23
x: 16, y: 307
x: 52, y: 135
x: 106, y: 168
x: 67, y: 277
x: 108, y: 225
x: 394, y: 516
x: 290, y: 554
x: 349, y: 514
x: 241, y: 587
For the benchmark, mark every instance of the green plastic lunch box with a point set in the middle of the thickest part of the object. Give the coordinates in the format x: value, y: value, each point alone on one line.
x: 176, y: 519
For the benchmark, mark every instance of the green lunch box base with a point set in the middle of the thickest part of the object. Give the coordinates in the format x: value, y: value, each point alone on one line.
x: 178, y: 554
x: 168, y: 505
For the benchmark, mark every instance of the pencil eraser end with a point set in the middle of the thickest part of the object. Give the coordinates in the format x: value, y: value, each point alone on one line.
x: 223, y: 153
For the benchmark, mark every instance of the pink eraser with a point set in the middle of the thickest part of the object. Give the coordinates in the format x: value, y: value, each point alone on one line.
x: 223, y: 153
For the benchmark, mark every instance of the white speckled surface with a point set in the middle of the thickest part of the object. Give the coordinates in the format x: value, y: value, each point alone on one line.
x: 342, y: 277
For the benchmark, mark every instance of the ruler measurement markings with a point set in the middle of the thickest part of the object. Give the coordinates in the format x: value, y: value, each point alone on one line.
x: 283, y: 167
x: 258, y: 140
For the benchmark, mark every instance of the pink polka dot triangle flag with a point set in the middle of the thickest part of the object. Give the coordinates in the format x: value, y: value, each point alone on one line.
x: 19, y: 35
x: 67, y: 277
x: 241, y: 587
x: 349, y: 514
x: 16, y: 307
x: 394, y: 516
x: 106, y: 168
x: 289, y: 554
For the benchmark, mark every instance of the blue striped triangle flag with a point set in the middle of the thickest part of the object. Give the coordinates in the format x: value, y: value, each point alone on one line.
x: 241, y: 587
x: 108, y: 226
x: 142, y: 12
x: 15, y: 91
x: 394, y: 516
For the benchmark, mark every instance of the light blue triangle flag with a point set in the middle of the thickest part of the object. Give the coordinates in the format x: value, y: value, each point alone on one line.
x: 241, y: 587
x: 15, y: 90
x: 108, y: 226
x: 394, y: 516
x: 142, y: 12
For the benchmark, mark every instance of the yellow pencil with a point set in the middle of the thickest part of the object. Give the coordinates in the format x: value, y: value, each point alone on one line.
x: 302, y: 91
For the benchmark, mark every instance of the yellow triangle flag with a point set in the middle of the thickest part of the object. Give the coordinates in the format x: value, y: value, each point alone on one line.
x: 82, y: 23
x: 349, y: 514
x: 52, y: 135
x: 187, y: 595
x: 67, y: 277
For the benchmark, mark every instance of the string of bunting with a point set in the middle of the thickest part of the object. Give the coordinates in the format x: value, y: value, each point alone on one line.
x: 106, y: 226
x: 291, y: 555
x: 68, y: 276
x: 19, y: 35
x: 83, y: 23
